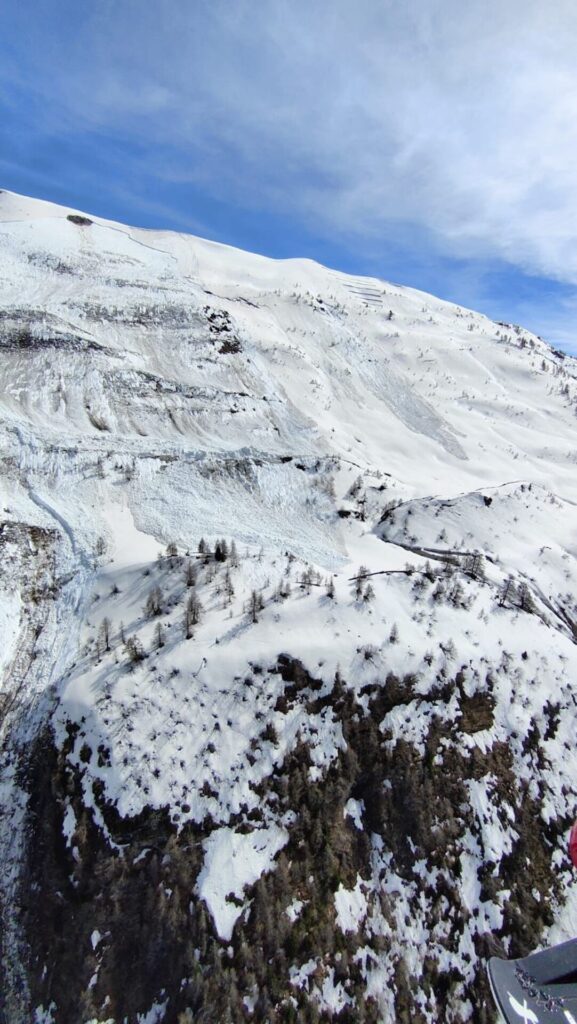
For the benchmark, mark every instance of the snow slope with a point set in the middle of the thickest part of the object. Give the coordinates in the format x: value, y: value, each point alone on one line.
x: 157, y: 389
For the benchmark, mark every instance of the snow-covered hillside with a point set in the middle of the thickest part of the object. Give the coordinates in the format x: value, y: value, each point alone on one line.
x: 289, y: 621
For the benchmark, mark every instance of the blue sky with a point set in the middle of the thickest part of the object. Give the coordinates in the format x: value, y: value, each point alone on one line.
x: 428, y: 142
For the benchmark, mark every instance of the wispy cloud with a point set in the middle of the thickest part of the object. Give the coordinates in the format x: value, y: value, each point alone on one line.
x: 457, y: 122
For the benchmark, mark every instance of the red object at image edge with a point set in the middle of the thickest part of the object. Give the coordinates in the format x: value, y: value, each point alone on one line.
x: 573, y: 844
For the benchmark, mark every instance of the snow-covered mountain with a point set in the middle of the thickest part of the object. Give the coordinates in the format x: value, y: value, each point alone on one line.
x: 289, y: 623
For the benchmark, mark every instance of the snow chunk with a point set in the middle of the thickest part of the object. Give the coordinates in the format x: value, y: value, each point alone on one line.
x: 42, y: 1016
x: 354, y: 809
x: 299, y: 976
x: 69, y: 824
x: 294, y: 909
x: 154, y: 1016
x: 232, y: 861
x: 333, y: 997
x: 351, y: 907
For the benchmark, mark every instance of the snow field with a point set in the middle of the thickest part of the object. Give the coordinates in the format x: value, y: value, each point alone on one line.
x: 156, y: 389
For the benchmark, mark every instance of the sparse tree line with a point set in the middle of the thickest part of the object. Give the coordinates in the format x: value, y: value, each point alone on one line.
x: 196, y: 569
x: 444, y: 583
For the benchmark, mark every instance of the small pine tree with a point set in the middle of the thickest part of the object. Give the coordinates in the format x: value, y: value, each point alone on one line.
x: 190, y: 574
x: 234, y: 559
x: 330, y: 588
x: 369, y: 593
x: 394, y: 634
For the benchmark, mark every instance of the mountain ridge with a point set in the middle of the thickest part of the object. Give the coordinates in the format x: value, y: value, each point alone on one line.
x: 359, y: 715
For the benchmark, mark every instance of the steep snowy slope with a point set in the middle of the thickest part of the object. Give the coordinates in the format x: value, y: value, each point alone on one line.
x: 289, y: 619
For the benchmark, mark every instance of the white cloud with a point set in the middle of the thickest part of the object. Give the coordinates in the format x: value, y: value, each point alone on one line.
x: 459, y: 119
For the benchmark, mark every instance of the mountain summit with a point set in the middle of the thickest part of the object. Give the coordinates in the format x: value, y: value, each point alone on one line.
x: 289, y: 621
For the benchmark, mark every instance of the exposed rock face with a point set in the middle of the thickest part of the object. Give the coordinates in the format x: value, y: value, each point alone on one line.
x: 289, y: 618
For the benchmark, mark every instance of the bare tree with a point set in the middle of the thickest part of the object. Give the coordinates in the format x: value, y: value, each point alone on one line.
x: 475, y: 566
x: 360, y: 581
x: 153, y: 604
x: 255, y: 605
x: 306, y: 580
x: 158, y: 636
x: 526, y: 600
x: 228, y: 588
x: 192, y: 615
x: 134, y: 649
x: 508, y: 592
x: 105, y: 630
